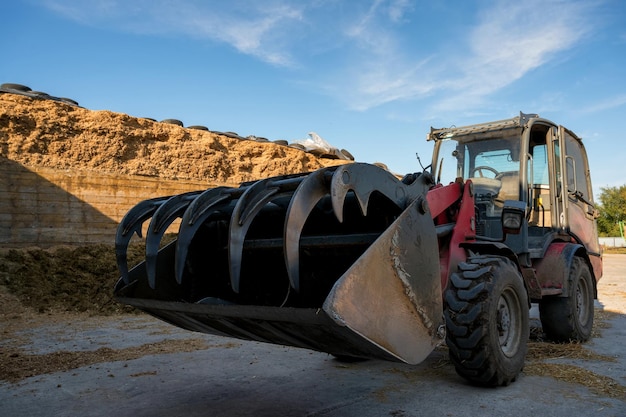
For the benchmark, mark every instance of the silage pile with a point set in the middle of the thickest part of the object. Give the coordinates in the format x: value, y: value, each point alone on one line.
x: 53, y: 134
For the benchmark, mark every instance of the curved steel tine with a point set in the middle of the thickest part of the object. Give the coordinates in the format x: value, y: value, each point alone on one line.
x: 247, y: 207
x: 169, y: 211
x: 140, y: 213
x: 251, y: 202
x: 257, y: 195
x: 364, y: 179
x: 307, y: 195
x: 198, y: 211
x: 133, y: 223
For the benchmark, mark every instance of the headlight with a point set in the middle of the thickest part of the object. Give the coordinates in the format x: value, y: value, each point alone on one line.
x: 513, y: 215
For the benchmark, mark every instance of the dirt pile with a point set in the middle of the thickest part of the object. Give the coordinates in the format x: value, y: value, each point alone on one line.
x: 68, y: 279
x: 53, y: 134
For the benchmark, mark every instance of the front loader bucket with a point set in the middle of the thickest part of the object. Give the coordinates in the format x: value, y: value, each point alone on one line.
x: 343, y: 260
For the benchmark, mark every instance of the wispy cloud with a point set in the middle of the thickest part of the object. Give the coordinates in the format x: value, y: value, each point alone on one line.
x: 379, y: 69
x: 508, y: 42
x: 384, y: 54
x: 262, y: 32
x: 257, y: 29
x: 504, y: 44
x: 607, y: 104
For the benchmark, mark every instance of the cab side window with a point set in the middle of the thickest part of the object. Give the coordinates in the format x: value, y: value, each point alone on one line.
x: 578, y: 181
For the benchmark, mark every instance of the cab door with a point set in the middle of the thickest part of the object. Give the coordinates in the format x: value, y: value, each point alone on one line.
x: 577, y: 210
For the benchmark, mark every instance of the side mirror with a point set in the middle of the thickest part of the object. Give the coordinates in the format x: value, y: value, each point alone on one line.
x: 513, y: 215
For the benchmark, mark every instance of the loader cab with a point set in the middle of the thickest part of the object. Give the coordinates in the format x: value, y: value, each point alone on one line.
x: 526, y: 159
x: 492, y: 163
x: 559, y: 188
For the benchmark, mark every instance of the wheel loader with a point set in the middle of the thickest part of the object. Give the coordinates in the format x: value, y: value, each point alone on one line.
x: 358, y: 262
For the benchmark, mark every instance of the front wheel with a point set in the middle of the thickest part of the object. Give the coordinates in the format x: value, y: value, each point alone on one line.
x: 486, y: 312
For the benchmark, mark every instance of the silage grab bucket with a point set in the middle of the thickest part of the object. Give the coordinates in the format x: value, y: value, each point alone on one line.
x: 343, y: 260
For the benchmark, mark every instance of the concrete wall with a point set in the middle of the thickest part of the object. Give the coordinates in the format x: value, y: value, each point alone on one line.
x: 46, y: 207
x: 613, y: 242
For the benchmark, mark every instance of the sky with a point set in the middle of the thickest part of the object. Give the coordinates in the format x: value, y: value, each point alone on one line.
x: 368, y: 76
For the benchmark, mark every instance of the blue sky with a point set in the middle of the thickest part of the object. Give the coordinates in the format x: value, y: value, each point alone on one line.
x: 371, y: 77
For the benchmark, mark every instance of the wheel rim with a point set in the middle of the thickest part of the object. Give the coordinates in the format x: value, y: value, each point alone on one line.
x: 508, y: 320
x: 582, y: 302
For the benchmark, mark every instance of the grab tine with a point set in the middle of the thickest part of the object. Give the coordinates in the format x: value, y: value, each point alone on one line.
x: 363, y: 179
x: 307, y: 195
x: 197, y: 212
x: 251, y: 202
x: 169, y: 211
x: 247, y: 207
x: 139, y: 214
x: 133, y: 223
x: 205, y: 201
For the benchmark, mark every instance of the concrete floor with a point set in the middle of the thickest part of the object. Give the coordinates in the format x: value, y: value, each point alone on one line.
x: 236, y: 378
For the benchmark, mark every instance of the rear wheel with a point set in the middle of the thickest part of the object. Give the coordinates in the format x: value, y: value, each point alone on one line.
x: 486, y: 312
x: 570, y: 318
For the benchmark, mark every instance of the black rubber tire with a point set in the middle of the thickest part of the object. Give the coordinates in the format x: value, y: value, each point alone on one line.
x: 570, y: 319
x: 198, y: 127
x: 68, y: 101
x: 40, y: 94
x: 487, y: 325
x: 16, y: 87
x: 232, y: 135
x: 297, y: 146
x: 173, y: 122
x: 347, y: 154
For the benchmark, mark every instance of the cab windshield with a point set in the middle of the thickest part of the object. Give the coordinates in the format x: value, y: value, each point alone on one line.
x: 492, y: 164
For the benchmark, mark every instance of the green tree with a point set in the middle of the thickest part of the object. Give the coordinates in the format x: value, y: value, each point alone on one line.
x: 612, y: 210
